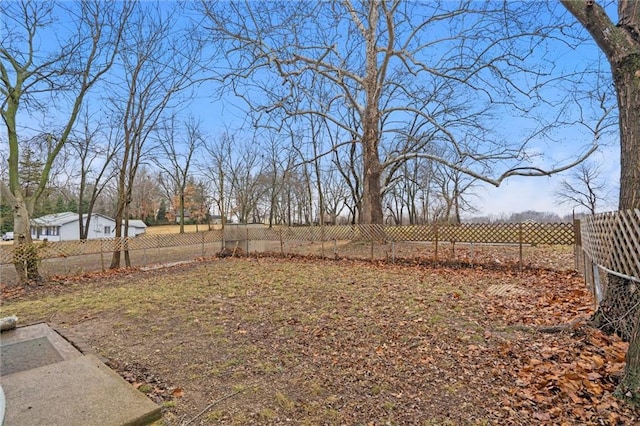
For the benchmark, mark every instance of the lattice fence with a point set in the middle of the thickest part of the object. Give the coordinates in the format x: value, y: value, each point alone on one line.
x: 610, y: 244
x: 523, y: 233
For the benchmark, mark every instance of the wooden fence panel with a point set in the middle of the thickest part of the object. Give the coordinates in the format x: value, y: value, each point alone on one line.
x: 411, y: 233
x: 262, y: 234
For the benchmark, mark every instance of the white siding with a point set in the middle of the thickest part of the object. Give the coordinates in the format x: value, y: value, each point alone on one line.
x: 99, y: 227
x: 70, y: 231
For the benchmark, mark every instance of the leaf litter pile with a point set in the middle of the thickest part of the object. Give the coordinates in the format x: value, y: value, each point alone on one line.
x: 310, y: 341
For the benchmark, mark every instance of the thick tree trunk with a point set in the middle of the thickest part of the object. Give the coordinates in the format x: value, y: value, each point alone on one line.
x: 627, y: 81
x: 624, y: 293
x: 617, y: 311
x: 25, y: 253
x: 629, y: 386
x: 621, y: 44
x: 371, y: 212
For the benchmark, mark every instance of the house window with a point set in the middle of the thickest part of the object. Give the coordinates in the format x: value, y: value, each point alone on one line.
x: 54, y: 230
x: 107, y: 229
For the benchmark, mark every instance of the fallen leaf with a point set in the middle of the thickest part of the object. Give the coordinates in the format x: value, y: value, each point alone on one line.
x: 542, y: 416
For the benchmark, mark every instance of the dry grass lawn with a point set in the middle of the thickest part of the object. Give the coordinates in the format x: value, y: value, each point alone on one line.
x: 304, y: 341
x: 175, y: 229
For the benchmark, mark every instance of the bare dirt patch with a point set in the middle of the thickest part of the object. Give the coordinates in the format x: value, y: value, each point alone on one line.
x: 311, y: 341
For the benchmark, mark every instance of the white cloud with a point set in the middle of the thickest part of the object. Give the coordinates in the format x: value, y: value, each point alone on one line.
x: 520, y: 194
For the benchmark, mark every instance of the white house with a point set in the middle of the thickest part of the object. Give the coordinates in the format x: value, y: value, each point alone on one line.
x: 65, y: 227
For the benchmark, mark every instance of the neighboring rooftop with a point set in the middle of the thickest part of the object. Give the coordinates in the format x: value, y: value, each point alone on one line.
x: 59, y: 219
x: 55, y: 219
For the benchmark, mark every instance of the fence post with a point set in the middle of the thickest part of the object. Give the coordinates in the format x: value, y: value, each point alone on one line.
x: 102, y: 255
x: 435, y: 226
x: 281, y: 244
x: 247, y: 229
x: 203, y: 251
x: 322, y: 239
x: 584, y: 267
x: 597, y: 285
x: 520, y: 245
x: 577, y: 239
x: 453, y: 249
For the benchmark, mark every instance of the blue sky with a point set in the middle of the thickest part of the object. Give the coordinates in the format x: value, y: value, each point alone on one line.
x: 517, y: 193
x: 521, y: 194
x: 514, y: 195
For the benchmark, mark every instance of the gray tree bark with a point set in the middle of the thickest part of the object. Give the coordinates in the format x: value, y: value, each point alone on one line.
x: 621, y: 45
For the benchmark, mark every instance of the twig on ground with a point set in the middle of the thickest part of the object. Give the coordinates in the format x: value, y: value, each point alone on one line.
x: 552, y: 328
x: 208, y: 407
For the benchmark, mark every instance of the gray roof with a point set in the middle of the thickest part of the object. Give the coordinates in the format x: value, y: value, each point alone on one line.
x: 136, y: 223
x: 59, y: 219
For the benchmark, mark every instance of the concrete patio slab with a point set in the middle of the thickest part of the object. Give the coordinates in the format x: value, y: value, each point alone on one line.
x: 47, y: 381
x: 33, y: 346
x: 36, y: 331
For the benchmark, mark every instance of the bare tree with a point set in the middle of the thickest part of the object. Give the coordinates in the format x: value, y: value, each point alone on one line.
x: 95, y: 152
x: 383, y: 58
x: 146, y: 196
x: 158, y: 63
x: 278, y: 163
x: 316, y: 130
x: 409, y: 190
x: 299, y: 197
x: 216, y: 167
x: 347, y: 160
x: 78, y: 57
x: 177, y: 155
x: 454, y: 189
x: 200, y: 203
x: 335, y: 194
x: 246, y: 185
x: 584, y: 187
x: 236, y: 173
